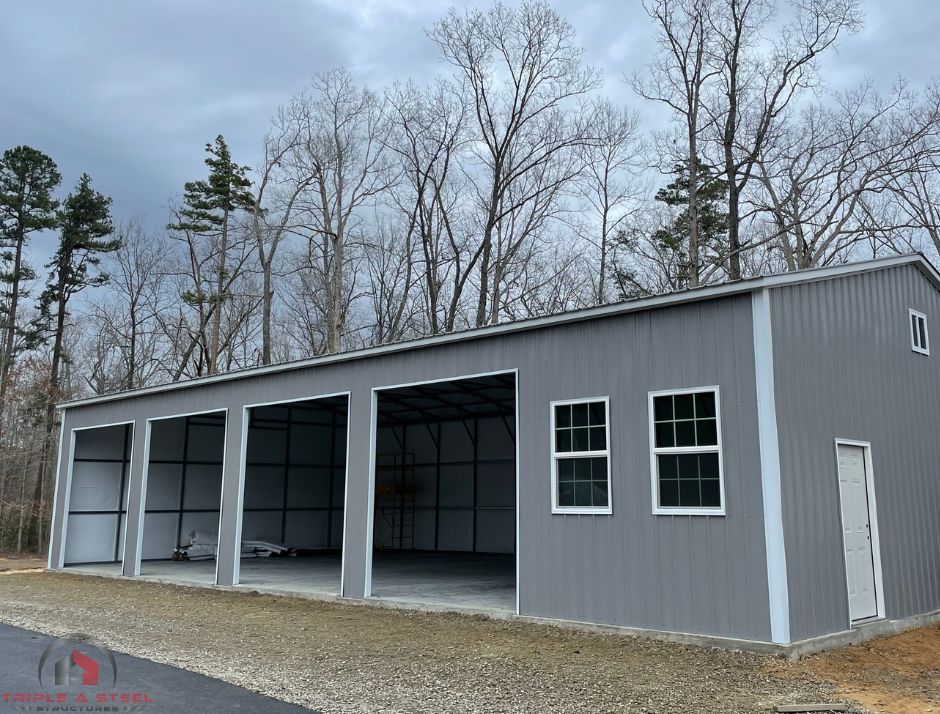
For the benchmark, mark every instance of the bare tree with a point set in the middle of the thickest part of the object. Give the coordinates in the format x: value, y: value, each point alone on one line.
x: 390, y: 263
x: 127, y: 344
x: 522, y: 70
x: 609, y: 189
x: 678, y: 77
x: 429, y: 138
x: 823, y: 180
x: 762, y: 65
x: 281, y: 186
x: 915, y: 190
x: 343, y: 150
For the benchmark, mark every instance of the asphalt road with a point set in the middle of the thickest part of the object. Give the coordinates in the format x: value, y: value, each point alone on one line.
x: 170, y: 690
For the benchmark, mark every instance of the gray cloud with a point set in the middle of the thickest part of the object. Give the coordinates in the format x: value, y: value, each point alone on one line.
x: 131, y: 91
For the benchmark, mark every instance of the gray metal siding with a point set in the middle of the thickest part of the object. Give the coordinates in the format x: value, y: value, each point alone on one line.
x: 680, y: 573
x: 845, y: 369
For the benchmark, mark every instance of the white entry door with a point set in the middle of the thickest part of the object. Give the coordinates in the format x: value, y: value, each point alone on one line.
x: 856, y: 532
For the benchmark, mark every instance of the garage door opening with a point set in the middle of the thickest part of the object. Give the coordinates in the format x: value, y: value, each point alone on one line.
x: 444, y: 509
x: 183, y: 496
x: 295, y: 492
x: 97, y: 502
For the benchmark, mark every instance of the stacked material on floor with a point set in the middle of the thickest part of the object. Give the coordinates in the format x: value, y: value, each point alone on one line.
x: 205, y: 546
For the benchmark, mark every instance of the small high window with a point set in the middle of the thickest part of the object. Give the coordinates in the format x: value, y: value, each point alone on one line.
x: 686, y: 452
x: 919, y: 342
x: 581, y: 456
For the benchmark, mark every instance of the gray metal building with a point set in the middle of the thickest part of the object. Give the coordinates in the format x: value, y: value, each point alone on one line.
x: 755, y: 463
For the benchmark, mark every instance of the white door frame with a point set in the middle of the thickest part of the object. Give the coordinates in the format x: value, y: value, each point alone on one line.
x: 60, y: 563
x: 373, y: 435
x: 243, y: 467
x: 865, y: 446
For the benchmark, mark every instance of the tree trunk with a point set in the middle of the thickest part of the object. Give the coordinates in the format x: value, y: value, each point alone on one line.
x: 695, y: 261
x: 267, y: 298
x: 9, y: 337
x: 217, y: 318
x: 734, y: 240
x: 19, y: 529
x: 603, y: 267
x: 336, y: 307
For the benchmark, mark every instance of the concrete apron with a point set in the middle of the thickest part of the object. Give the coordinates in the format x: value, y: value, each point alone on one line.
x: 794, y: 650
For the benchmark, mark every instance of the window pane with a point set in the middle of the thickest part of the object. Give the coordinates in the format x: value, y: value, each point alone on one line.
x: 582, y: 482
x: 708, y: 465
x: 662, y: 408
x: 580, y: 439
x: 598, y: 438
x: 922, y: 324
x: 600, y: 493
x: 687, y: 480
x: 598, y: 413
x: 684, y: 406
x: 668, y: 466
x: 566, y: 493
x: 704, y: 405
x: 689, y: 494
x: 706, y: 432
x: 711, y: 494
x: 668, y: 494
x: 665, y: 436
x: 914, y: 331
x: 688, y: 466
x: 582, y: 469
x: 685, y: 433
x: 582, y: 493
x: 579, y: 415
x: 563, y: 416
x: 563, y: 440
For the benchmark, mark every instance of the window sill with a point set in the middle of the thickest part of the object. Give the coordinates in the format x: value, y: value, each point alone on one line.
x: 581, y: 511
x: 689, y: 512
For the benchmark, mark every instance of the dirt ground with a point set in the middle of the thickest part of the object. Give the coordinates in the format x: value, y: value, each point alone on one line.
x: 353, y: 658
x: 899, y: 674
x: 9, y: 563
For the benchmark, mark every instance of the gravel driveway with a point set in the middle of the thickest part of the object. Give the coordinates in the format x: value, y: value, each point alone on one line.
x: 351, y: 658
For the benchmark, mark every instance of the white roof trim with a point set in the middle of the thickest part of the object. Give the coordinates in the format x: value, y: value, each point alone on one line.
x: 685, y: 296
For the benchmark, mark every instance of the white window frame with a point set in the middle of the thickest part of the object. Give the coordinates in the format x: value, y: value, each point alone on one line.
x: 919, y: 349
x: 582, y: 510
x: 654, y: 462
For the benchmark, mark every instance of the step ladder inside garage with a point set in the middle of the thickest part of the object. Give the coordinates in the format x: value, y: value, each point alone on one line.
x: 395, y: 498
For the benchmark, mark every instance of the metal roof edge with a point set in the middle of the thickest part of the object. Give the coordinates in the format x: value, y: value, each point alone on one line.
x: 637, y: 305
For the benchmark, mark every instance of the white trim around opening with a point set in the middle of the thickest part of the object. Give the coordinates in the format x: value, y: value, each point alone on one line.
x: 920, y: 338
x: 584, y: 454
x: 373, y: 428
x: 242, y: 465
x: 680, y: 450
x: 865, y: 446
x: 68, y: 485
x: 145, y: 467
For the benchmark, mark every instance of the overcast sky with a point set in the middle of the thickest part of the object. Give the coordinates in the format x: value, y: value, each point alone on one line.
x: 130, y: 92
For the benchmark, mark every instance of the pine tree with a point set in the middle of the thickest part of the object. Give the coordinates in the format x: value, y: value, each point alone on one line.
x: 27, y: 179
x: 85, y: 231
x: 209, y: 208
x: 85, y: 234
x: 712, y: 220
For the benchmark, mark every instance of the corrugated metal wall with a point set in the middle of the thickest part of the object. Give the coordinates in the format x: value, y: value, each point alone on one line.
x: 680, y: 573
x: 845, y: 369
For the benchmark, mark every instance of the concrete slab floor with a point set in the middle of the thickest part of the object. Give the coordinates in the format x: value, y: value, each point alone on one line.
x: 481, y: 582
